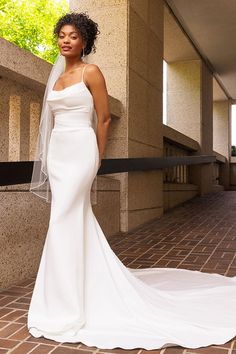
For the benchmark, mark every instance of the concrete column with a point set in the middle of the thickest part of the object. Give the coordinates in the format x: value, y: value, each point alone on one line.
x: 34, y: 121
x: 221, y: 136
x: 25, y: 128
x: 145, y: 137
x: 190, y: 101
x: 4, y: 123
x: 206, y: 128
x: 130, y: 52
x: 112, y: 58
x: 221, y: 124
x: 14, y: 128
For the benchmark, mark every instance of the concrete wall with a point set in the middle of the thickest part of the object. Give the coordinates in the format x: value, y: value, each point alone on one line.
x: 184, y: 97
x: 233, y: 175
x: 23, y: 227
x: 175, y: 194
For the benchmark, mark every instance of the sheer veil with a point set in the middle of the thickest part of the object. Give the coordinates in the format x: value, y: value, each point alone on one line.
x: 40, y: 184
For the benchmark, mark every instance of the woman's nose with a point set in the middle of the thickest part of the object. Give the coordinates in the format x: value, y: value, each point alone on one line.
x: 66, y: 40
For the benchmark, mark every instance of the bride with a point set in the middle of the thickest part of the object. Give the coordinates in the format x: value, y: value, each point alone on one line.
x: 83, y: 292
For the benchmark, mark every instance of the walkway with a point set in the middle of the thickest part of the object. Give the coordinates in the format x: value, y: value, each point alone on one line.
x: 199, y: 235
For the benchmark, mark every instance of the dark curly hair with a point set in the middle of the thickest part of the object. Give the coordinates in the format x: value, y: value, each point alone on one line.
x: 86, y: 27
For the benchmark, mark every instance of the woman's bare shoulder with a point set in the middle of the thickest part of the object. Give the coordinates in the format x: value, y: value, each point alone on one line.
x: 92, y: 68
x: 93, y: 72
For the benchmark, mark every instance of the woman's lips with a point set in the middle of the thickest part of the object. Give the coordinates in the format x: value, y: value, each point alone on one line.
x: 66, y: 48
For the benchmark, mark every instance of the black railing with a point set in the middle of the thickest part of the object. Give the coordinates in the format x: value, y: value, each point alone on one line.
x: 21, y: 171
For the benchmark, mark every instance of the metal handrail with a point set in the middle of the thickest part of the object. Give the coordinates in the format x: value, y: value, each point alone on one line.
x: 19, y: 172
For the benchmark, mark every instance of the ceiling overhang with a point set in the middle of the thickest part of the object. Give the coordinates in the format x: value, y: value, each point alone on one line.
x: 210, y: 27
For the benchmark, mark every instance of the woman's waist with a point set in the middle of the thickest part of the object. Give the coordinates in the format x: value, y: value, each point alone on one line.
x: 75, y: 119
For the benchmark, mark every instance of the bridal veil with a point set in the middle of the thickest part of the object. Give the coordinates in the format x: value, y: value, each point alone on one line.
x: 40, y: 184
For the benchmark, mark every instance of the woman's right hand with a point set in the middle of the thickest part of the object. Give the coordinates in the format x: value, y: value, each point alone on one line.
x: 99, y: 162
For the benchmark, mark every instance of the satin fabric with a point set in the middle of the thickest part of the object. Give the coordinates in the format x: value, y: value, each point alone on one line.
x: 83, y: 292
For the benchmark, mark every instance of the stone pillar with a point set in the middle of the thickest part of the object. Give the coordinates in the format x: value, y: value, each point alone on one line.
x: 35, y: 110
x: 145, y: 192
x: 129, y: 53
x: 25, y: 128
x: 221, y: 136
x: 14, y: 128
x: 221, y: 124
x: 4, y: 123
x: 206, y: 128
x: 190, y: 100
x: 112, y: 58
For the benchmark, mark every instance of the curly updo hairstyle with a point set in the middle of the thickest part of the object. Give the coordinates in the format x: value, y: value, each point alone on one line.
x: 85, y: 26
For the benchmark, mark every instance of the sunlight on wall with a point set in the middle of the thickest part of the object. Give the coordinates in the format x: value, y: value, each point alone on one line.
x: 233, y: 125
x: 164, y: 115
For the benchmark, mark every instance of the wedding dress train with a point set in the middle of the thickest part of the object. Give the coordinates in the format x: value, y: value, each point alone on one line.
x: 83, y: 292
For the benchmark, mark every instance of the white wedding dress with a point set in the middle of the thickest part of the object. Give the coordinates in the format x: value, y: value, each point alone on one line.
x: 83, y: 292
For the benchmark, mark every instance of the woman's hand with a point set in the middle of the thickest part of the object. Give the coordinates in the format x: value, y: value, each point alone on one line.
x: 100, y: 161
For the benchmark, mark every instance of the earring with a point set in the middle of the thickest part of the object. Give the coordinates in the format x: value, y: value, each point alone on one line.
x: 83, y: 53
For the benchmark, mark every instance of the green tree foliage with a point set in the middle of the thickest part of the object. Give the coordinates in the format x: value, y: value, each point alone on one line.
x: 29, y: 24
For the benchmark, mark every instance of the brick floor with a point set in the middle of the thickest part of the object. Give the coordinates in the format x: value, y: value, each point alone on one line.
x: 199, y: 235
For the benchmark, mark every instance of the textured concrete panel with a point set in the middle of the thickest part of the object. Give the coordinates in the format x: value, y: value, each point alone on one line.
x: 14, y: 128
x: 221, y: 123
x: 184, y: 85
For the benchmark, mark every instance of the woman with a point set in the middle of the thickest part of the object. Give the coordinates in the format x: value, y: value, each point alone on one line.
x: 83, y: 292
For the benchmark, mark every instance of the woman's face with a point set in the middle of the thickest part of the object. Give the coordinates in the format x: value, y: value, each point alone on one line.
x: 70, y: 41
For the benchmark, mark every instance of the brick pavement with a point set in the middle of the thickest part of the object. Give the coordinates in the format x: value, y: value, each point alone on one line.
x: 199, y: 235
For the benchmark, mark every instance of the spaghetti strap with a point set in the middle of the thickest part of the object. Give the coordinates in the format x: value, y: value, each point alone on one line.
x: 83, y: 71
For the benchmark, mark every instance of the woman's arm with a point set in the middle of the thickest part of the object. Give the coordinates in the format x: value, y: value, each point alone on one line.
x: 97, y: 86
